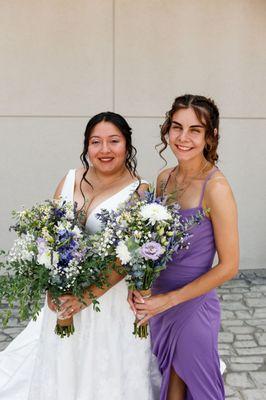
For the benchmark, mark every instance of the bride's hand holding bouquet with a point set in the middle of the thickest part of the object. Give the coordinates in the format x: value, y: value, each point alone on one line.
x: 50, y: 254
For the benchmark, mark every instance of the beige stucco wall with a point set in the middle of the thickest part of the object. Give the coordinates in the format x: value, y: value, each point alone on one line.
x: 63, y: 61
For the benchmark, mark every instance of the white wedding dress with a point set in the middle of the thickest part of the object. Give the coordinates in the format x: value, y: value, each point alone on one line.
x: 101, y: 361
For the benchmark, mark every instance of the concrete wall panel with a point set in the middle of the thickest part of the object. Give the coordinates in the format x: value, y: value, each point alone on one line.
x: 35, y: 154
x: 56, y: 57
x: 210, y: 47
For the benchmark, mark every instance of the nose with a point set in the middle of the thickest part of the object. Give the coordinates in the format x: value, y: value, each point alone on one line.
x: 183, y: 135
x: 105, y: 147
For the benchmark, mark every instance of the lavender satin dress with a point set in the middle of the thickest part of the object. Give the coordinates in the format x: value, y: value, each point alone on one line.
x: 185, y: 337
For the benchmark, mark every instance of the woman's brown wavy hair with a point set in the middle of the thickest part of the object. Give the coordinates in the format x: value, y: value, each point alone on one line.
x: 206, y: 112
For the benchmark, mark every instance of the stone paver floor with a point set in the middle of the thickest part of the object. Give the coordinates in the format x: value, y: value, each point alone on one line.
x: 242, y: 340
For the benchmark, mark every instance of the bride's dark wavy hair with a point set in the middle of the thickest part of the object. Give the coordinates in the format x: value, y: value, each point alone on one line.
x: 120, y: 122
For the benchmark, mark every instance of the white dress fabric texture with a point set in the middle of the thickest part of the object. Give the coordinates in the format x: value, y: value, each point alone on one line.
x: 101, y: 361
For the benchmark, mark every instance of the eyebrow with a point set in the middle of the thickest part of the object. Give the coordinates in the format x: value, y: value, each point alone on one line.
x: 191, y: 126
x: 99, y: 137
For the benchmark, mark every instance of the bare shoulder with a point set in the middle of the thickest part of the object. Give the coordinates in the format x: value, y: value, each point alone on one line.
x: 143, y: 187
x: 59, y: 188
x: 162, y: 179
x: 218, y: 190
x: 164, y: 174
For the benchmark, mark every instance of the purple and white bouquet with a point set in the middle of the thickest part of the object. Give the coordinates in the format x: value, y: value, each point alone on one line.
x: 143, y: 234
x: 51, y: 253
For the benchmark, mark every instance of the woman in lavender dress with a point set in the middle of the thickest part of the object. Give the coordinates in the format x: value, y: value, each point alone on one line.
x: 184, y: 310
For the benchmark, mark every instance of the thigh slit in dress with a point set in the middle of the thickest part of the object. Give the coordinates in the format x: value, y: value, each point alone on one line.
x: 185, y: 337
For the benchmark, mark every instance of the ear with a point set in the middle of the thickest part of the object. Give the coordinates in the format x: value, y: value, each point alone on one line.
x: 215, y: 131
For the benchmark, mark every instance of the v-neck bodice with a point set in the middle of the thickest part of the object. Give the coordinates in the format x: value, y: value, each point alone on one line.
x: 93, y: 224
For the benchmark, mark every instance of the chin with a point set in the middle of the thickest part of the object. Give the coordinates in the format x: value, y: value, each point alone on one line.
x: 108, y: 169
x: 187, y: 156
x: 184, y: 157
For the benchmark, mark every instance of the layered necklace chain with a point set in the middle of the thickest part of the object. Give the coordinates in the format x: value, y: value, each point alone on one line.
x: 180, y: 189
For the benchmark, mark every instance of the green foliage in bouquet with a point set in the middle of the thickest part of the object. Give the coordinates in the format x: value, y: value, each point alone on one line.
x: 51, y: 253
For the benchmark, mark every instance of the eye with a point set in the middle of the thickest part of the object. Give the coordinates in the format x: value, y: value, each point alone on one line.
x: 176, y: 128
x: 115, y: 141
x: 95, y: 142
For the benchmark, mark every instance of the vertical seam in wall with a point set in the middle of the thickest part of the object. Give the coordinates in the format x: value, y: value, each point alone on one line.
x: 113, y: 66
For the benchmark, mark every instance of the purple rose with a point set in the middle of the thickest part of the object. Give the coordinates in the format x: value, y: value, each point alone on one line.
x: 151, y: 251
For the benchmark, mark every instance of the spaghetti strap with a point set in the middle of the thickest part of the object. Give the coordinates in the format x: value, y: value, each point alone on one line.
x: 168, y: 178
x: 208, y: 177
x: 67, y: 193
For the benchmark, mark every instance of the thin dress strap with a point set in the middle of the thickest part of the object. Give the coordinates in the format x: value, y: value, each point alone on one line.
x: 208, y: 177
x: 168, y: 179
x: 67, y: 193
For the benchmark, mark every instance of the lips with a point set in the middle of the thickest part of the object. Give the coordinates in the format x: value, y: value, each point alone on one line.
x: 183, y: 148
x: 106, y: 159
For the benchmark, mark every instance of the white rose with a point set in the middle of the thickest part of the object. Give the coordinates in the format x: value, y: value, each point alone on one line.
x: 154, y: 213
x: 123, y: 253
x: 45, y: 259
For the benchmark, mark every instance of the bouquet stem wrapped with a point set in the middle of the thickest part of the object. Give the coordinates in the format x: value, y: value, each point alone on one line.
x: 142, y: 330
x: 64, y: 327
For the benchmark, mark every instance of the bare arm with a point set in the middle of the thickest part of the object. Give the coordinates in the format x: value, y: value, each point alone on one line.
x: 59, y: 188
x: 161, y: 181
x: 71, y: 303
x: 223, y: 213
x: 113, y: 278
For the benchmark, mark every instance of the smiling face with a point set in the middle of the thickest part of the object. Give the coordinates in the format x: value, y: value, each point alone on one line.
x: 186, y: 135
x: 107, y: 148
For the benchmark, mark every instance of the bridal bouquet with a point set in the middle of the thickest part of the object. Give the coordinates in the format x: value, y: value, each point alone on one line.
x: 51, y: 253
x: 142, y: 235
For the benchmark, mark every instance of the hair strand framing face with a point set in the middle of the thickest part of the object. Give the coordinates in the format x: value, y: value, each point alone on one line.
x: 206, y: 112
x: 120, y: 122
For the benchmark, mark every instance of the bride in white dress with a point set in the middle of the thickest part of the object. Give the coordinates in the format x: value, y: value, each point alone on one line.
x: 102, y: 360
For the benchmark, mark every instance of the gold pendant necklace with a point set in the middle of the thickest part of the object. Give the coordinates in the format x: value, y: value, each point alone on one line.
x: 181, y: 188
